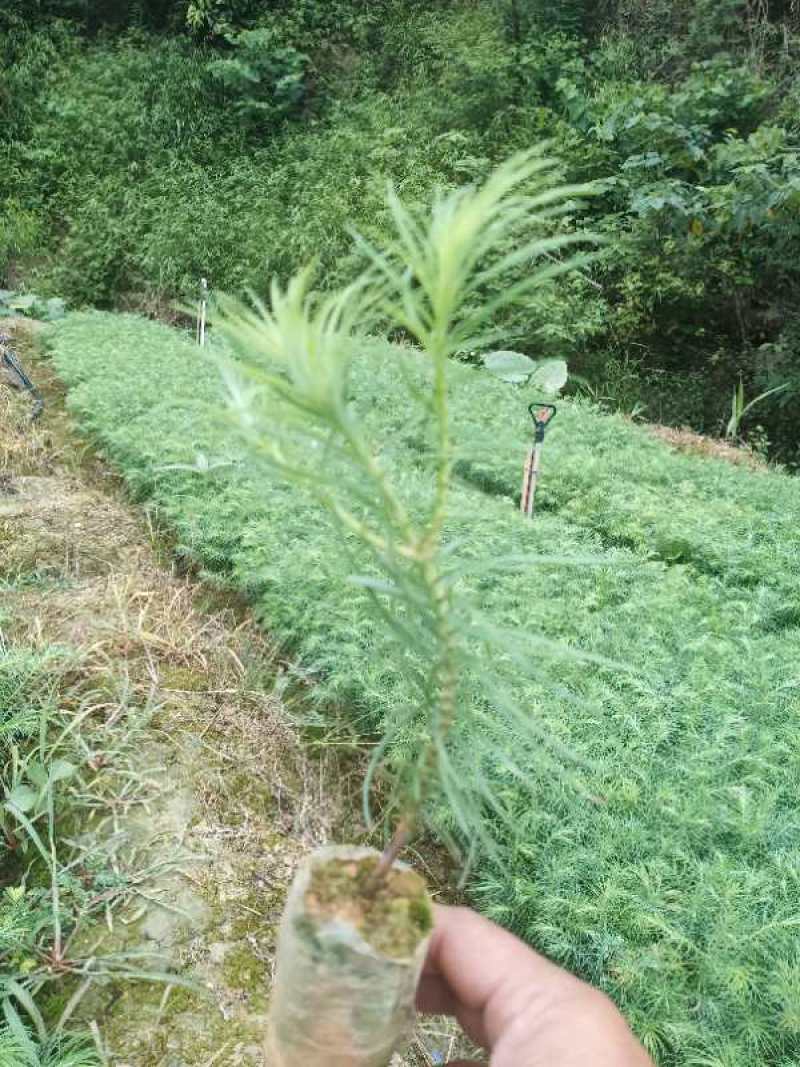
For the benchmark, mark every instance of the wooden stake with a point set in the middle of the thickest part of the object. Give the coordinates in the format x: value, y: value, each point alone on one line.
x: 537, y: 455
x: 542, y: 415
x: 526, y: 482
x: 530, y: 478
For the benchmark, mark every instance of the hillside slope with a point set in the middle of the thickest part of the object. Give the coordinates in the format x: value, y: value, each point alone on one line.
x: 660, y: 863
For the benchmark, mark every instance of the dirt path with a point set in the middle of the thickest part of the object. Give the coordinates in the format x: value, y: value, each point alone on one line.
x: 229, y: 800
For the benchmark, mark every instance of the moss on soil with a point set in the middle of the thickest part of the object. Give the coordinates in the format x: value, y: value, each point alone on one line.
x: 184, y: 679
x: 393, y: 916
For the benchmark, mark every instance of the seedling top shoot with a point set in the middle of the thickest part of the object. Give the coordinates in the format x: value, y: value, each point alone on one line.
x: 356, y: 923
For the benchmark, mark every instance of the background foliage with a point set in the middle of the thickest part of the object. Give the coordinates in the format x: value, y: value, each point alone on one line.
x: 658, y: 860
x: 150, y: 143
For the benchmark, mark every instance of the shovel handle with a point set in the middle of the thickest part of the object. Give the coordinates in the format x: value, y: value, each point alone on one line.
x: 542, y: 415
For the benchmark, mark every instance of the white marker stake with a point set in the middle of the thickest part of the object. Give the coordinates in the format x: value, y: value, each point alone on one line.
x: 201, y: 317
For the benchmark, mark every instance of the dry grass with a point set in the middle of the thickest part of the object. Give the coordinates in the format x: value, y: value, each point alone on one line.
x: 686, y: 440
x: 53, y: 525
x: 20, y: 440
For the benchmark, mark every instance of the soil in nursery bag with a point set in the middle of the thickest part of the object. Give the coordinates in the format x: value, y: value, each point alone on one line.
x: 350, y: 951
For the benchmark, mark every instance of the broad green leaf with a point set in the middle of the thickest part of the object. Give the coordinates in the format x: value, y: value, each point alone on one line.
x: 23, y: 302
x: 550, y: 375
x: 509, y: 366
x: 54, y: 309
x: 38, y: 773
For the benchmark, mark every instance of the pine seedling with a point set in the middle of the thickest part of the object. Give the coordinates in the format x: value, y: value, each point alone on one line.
x: 444, y: 279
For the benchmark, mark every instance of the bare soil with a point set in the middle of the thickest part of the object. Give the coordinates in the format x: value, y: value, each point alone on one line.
x: 686, y: 440
x: 393, y: 914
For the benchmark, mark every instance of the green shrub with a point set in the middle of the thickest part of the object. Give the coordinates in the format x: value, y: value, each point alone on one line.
x: 218, y: 17
x: 701, y: 211
x: 263, y: 78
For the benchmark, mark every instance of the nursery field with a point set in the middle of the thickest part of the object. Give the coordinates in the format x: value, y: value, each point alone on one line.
x: 654, y: 842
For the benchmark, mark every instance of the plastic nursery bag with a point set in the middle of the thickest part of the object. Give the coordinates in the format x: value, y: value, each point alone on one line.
x: 338, y: 1001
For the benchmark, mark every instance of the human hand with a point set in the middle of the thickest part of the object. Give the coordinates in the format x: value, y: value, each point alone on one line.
x: 523, y: 1009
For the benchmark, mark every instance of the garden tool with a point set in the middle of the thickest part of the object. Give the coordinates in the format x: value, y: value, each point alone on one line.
x: 542, y: 415
x: 14, y: 374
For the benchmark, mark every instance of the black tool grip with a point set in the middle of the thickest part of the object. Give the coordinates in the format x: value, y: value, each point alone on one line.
x: 542, y: 415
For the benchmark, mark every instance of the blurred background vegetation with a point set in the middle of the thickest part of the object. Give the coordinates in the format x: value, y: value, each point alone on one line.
x: 149, y: 143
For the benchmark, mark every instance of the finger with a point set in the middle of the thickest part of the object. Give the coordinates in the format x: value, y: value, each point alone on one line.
x: 519, y: 1005
x: 435, y: 997
x: 473, y: 955
x: 488, y: 971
